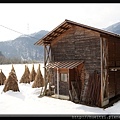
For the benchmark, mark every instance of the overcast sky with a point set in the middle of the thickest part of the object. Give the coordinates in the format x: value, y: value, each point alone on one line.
x: 29, y: 18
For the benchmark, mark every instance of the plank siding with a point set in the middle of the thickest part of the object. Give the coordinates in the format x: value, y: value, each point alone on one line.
x: 114, y: 62
x: 79, y: 44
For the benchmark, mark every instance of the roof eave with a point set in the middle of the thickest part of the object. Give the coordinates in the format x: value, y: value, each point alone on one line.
x: 41, y: 41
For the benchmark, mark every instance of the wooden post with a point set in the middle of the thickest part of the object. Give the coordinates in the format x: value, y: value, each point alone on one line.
x: 57, y: 82
x: 103, y: 75
x: 42, y: 93
x: 45, y: 63
x: 69, y: 82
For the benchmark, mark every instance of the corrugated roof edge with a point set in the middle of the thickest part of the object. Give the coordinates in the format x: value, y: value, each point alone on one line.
x: 65, y: 64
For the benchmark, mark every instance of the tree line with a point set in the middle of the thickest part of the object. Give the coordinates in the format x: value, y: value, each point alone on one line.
x: 14, y: 60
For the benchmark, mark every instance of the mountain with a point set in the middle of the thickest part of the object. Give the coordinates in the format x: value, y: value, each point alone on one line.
x: 23, y: 47
x: 1, y: 55
x: 115, y: 28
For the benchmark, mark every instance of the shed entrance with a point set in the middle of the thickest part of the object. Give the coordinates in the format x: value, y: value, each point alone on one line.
x: 67, y: 77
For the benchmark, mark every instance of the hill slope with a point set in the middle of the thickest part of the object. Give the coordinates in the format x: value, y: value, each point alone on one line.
x: 23, y: 47
x: 115, y: 28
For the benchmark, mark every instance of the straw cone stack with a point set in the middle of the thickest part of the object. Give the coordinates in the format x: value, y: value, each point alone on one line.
x: 25, y: 77
x: 39, y: 81
x: 32, y: 74
x: 13, y: 68
x: 11, y: 82
x: 2, y: 78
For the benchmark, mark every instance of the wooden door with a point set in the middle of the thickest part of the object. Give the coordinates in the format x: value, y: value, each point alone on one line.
x: 117, y: 63
x: 63, y: 82
x: 117, y: 53
x: 114, y: 62
x: 117, y: 82
x: 111, y: 84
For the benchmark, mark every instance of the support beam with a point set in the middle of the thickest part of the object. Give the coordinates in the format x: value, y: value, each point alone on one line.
x: 101, y: 72
x: 47, y: 58
x: 45, y: 63
x: 104, y: 75
x: 57, y: 82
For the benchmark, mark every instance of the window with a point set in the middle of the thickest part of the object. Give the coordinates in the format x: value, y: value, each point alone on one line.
x: 63, y: 77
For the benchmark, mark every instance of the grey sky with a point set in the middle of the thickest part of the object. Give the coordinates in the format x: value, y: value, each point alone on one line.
x: 28, y: 18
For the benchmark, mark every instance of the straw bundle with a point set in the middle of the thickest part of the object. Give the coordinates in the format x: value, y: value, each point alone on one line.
x: 25, y: 77
x: 11, y: 82
x: 39, y: 81
x: 2, y: 78
x: 32, y: 74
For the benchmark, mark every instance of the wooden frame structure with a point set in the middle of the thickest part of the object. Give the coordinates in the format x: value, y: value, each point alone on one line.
x: 98, y: 49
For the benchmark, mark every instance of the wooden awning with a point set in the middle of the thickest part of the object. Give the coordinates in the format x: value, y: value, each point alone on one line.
x: 64, y: 64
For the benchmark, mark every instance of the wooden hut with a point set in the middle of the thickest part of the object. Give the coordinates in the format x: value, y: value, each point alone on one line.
x: 84, y: 61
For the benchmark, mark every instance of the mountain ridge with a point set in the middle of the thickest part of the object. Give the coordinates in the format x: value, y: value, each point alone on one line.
x: 114, y: 28
x: 23, y: 47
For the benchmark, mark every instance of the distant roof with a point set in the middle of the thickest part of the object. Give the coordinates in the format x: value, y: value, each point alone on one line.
x: 64, y: 64
x: 64, y: 26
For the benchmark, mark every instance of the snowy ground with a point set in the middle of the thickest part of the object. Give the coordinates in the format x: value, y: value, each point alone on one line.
x: 27, y: 102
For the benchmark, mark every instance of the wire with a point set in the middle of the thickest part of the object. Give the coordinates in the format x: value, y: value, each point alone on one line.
x: 18, y: 32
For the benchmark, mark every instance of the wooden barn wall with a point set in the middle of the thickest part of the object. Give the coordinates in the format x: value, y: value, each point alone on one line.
x: 114, y: 62
x: 113, y: 52
x: 79, y: 44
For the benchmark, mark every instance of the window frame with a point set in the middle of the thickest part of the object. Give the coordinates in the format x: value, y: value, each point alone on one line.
x: 65, y: 75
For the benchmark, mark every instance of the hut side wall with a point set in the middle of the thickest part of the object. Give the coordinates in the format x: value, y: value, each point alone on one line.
x: 114, y: 66
x: 79, y: 44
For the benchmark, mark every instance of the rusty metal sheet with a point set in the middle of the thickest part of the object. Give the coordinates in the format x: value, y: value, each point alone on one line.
x: 64, y: 64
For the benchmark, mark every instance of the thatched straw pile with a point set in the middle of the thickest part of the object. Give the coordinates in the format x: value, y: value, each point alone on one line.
x: 13, y: 68
x: 2, y: 78
x: 39, y: 81
x: 32, y: 74
x: 25, y: 77
x: 11, y: 82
